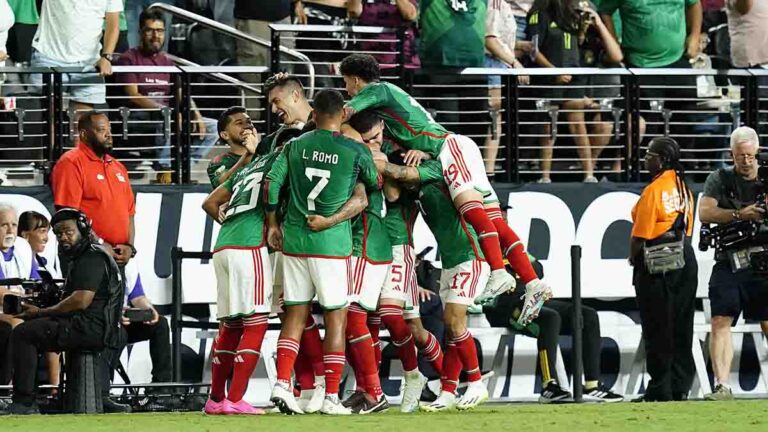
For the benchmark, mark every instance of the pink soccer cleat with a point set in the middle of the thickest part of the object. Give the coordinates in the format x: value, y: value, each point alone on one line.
x: 212, y: 407
x: 240, y: 407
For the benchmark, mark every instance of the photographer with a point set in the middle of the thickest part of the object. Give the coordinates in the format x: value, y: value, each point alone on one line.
x: 86, y: 319
x: 730, y: 195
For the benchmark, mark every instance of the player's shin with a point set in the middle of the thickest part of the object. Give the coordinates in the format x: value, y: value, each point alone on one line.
x: 223, y: 357
x: 248, y: 354
x: 361, y: 349
x: 512, y: 247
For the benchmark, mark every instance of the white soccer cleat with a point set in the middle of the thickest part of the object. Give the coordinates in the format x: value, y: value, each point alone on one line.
x: 499, y: 283
x: 283, y: 398
x: 476, y: 394
x: 315, y: 403
x: 332, y: 406
x: 536, y: 293
x: 414, y: 384
x: 444, y: 402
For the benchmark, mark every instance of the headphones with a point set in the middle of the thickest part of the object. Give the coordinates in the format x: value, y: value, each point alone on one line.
x: 83, y: 224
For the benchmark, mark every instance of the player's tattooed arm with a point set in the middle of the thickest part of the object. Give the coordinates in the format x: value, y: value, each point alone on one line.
x: 214, y: 204
x: 398, y: 172
x: 354, y: 205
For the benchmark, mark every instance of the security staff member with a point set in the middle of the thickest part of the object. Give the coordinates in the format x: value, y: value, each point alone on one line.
x: 665, y: 295
x: 87, y: 318
x: 730, y: 195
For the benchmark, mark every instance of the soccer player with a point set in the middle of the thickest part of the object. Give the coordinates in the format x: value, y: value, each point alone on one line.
x: 410, y: 126
x: 244, y: 282
x: 322, y: 168
x: 234, y: 127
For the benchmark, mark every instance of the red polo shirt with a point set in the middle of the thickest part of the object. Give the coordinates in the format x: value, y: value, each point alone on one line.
x: 99, y: 188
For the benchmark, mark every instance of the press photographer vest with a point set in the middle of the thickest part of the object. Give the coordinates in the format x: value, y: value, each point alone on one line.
x: 738, y: 192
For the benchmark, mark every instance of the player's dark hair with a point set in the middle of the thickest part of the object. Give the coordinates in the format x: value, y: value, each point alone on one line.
x: 274, y: 82
x: 328, y: 102
x: 150, y: 15
x: 226, y: 117
x: 309, y: 126
x: 86, y: 119
x: 364, y: 121
x: 286, y: 135
x: 669, y: 153
x: 363, y: 66
x: 32, y: 220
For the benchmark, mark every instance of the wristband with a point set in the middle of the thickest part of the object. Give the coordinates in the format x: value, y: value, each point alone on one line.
x: 133, y: 249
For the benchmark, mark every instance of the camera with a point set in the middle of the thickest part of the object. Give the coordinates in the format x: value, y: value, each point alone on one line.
x: 42, y: 293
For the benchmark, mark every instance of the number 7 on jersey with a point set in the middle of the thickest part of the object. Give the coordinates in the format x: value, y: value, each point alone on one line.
x: 324, y: 176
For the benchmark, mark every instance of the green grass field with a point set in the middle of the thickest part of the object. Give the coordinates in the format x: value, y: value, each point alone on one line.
x: 690, y: 416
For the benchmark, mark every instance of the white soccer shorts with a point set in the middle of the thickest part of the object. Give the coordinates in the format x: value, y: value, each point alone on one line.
x: 461, y: 284
x: 464, y: 168
x: 276, y: 258
x: 243, y: 281
x: 401, y: 280
x: 367, y: 282
x: 303, y: 277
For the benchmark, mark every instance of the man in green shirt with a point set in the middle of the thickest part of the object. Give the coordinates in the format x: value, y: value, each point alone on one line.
x: 236, y: 129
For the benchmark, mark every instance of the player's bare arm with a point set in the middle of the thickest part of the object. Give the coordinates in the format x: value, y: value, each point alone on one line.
x: 274, y: 232
x: 250, y: 144
x: 354, y: 205
x: 391, y: 190
x: 215, y: 203
x: 404, y: 174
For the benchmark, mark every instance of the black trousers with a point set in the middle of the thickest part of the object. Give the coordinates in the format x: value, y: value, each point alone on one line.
x: 6, y: 356
x: 666, y: 305
x: 37, y: 336
x: 158, y: 336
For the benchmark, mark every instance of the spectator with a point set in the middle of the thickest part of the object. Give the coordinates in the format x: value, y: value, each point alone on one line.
x: 69, y: 35
x: 89, y: 179
x: 500, y: 34
x: 558, y: 26
x: 18, y: 259
x: 452, y: 33
x: 748, y: 28
x: 328, y: 46
x: 149, y: 92
x: 6, y: 22
x: 133, y: 10
x: 34, y: 227
x: 393, y: 14
x: 520, y: 9
x: 23, y: 31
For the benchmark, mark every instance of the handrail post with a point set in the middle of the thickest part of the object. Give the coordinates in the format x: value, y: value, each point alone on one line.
x: 176, y: 299
x: 578, y: 323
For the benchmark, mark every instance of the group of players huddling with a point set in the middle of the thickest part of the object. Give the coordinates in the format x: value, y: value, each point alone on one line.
x: 324, y: 208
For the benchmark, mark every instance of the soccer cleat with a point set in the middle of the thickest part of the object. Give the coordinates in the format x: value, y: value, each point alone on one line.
x: 602, y: 394
x: 721, y: 393
x: 355, y: 399
x: 240, y: 407
x: 283, y: 398
x: 315, y: 402
x: 445, y: 401
x: 499, y: 283
x: 476, y: 394
x: 332, y: 406
x: 212, y: 407
x: 414, y: 383
x: 553, y: 393
x: 536, y: 293
x: 370, y: 406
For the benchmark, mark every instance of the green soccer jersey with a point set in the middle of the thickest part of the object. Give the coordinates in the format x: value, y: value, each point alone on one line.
x: 219, y: 165
x: 369, y: 233
x: 401, y: 216
x: 452, y: 33
x: 406, y: 121
x: 244, y: 218
x: 456, y: 240
x: 321, y: 168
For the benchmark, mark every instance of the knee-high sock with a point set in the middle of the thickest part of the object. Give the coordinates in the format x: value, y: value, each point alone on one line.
x: 512, y: 247
x: 248, y: 354
x: 361, y: 348
x: 311, y: 346
x: 358, y: 371
x: 287, y: 350
x: 474, y: 213
x: 449, y: 379
x: 374, y: 324
x: 305, y: 376
x: 334, y: 366
x: 402, y: 338
x: 224, y: 356
x: 467, y: 350
x: 433, y: 353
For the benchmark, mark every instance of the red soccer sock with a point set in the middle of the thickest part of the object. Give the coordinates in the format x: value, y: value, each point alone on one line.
x: 248, y: 354
x: 223, y: 357
x: 449, y: 379
x: 474, y: 213
x: 334, y: 366
x: 465, y: 345
x: 402, y: 338
x: 512, y: 247
x: 361, y: 349
x: 433, y: 353
x: 287, y: 350
x: 359, y: 377
x: 305, y: 376
x: 312, y: 344
x: 374, y: 324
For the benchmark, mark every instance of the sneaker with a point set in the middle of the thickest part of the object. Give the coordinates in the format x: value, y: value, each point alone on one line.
x: 311, y: 401
x: 239, y: 408
x: 109, y: 406
x: 499, y: 283
x: 413, y: 385
x: 544, y: 180
x: 16, y: 408
x: 536, y: 293
x: 212, y: 407
x: 553, y: 393
x: 445, y: 401
x: 476, y: 394
x: 721, y: 393
x: 370, y: 405
x: 283, y: 398
x: 602, y: 394
x: 332, y: 406
x: 354, y: 400
x: 590, y: 179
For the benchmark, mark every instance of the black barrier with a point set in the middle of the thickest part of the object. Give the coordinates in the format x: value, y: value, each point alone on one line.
x: 578, y: 323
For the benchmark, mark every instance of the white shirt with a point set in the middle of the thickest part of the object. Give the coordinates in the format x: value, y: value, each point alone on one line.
x: 749, y: 34
x: 70, y: 30
x: 500, y: 22
x: 6, y: 22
